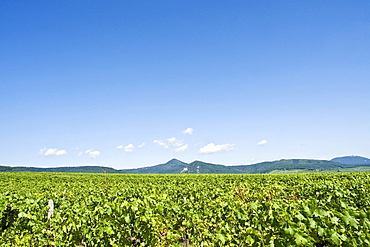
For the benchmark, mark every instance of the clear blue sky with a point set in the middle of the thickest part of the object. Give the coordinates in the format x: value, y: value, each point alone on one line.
x: 117, y: 83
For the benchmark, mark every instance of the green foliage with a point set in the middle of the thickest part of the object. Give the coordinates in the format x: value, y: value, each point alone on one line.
x: 160, y: 210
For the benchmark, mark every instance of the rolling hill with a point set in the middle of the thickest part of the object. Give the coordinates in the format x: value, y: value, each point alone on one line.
x: 175, y: 166
x: 352, y: 160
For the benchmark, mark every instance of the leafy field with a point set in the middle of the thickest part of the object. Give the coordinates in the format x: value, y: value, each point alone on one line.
x: 164, y: 210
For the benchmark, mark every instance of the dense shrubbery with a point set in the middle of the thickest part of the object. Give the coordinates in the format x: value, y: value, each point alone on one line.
x: 161, y: 210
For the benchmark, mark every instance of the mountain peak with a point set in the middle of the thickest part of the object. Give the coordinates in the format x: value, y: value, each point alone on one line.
x: 173, y: 160
x: 176, y: 162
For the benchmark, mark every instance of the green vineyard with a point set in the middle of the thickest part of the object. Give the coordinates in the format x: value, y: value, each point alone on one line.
x: 54, y: 209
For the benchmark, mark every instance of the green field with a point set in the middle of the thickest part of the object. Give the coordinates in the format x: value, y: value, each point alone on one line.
x: 329, y: 209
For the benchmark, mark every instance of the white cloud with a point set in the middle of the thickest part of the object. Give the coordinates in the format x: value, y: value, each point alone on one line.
x: 170, y: 142
x: 178, y: 143
x: 263, y: 142
x: 92, y: 154
x: 52, y: 152
x: 56, y: 152
x: 42, y: 151
x: 181, y: 149
x: 129, y: 148
x: 174, y: 142
x: 160, y: 143
x: 212, y: 148
x: 188, y: 131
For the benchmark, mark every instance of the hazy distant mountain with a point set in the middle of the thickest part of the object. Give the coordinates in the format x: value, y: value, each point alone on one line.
x: 291, y: 164
x: 176, y: 166
x: 172, y: 166
x: 352, y: 160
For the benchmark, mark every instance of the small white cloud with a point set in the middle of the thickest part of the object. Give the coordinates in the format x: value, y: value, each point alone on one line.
x: 80, y: 153
x: 174, y: 142
x: 42, y: 150
x: 261, y: 143
x: 58, y: 152
x: 92, y: 154
x: 160, y: 143
x: 188, y: 131
x: 181, y: 149
x: 129, y: 148
x: 52, y: 152
x: 212, y: 148
x: 171, y: 140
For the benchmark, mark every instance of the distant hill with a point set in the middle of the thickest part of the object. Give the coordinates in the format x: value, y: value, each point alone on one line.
x: 172, y: 166
x: 70, y: 169
x: 352, y: 160
x: 291, y: 164
x: 175, y: 166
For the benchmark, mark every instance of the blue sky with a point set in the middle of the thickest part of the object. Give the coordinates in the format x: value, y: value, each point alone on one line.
x: 136, y: 83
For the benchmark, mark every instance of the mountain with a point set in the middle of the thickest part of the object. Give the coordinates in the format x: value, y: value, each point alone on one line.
x: 352, y: 160
x: 208, y: 168
x: 291, y: 164
x: 70, y: 169
x: 175, y: 167
x: 172, y: 166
